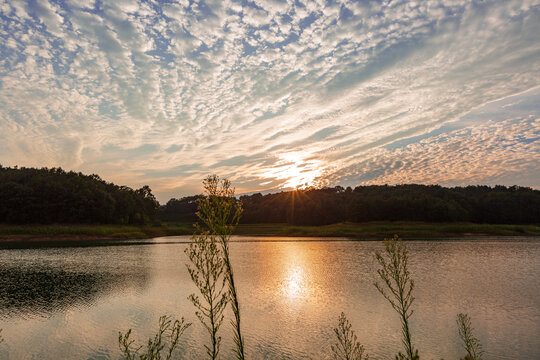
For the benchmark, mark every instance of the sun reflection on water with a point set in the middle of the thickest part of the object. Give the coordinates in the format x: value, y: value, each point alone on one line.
x: 295, y: 285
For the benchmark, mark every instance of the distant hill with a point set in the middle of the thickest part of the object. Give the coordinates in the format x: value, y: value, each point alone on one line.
x: 44, y: 196
x: 431, y: 203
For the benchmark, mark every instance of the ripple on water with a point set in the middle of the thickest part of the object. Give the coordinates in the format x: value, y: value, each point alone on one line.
x: 71, y: 302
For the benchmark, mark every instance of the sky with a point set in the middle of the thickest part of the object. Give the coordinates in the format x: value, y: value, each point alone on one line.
x: 273, y: 94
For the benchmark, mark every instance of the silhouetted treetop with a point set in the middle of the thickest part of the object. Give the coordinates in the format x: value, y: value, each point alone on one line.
x: 29, y: 195
x: 431, y: 203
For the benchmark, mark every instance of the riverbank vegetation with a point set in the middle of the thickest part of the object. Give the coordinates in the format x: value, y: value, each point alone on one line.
x: 364, y: 231
x: 89, y: 232
x: 370, y: 230
x: 381, y: 229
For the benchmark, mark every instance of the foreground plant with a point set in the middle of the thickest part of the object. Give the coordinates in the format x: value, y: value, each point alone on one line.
x: 347, y: 346
x: 470, y: 343
x: 160, y: 347
x: 206, y: 271
x: 397, y: 287
x: 220, y: 212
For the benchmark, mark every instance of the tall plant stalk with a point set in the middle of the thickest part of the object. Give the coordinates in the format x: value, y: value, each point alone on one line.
x: 161, y: 347
x: 220, y: 212
x: 470, y: 343
x: 397, y: 287
x: 206, y: 271
x: 347, y: 346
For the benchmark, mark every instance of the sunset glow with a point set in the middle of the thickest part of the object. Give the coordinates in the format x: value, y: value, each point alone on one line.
x: 273, y: 94
x: 294, y: 170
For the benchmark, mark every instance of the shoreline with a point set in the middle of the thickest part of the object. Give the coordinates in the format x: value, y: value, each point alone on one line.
x: 67, y: 233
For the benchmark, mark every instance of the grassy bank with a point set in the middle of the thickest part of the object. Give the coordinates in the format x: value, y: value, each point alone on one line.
x: 388, y: 229
x: 73, y: 231
x: 357, y: 230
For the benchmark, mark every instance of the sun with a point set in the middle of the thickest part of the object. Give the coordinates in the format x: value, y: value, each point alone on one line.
x: 296, y: 169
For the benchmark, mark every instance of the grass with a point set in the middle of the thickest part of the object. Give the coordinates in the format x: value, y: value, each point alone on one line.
x: 356, y: 230
x: 56, y: 231
x: 388, y: 229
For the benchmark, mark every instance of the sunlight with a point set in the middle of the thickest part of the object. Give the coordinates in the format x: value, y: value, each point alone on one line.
x: 295, y: 284
x: 296, y: 169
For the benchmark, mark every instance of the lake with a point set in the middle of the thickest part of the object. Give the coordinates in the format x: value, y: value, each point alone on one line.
x: 70, y: 302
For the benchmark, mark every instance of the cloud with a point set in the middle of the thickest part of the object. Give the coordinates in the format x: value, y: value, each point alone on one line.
x: 505, y: 152
x: 217, y: 83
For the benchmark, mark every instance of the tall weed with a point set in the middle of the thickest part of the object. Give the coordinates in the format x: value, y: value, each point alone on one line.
x: 160, y: 347
x: 220, y: 212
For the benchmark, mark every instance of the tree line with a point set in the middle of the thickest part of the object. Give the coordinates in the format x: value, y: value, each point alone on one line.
x: 430, y: 203
x: 29, y: 195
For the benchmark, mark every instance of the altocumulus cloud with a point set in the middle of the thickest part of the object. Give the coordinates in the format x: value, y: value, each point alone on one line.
x: 325, y: 92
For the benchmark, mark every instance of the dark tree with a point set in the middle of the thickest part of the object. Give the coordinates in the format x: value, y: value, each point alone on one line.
x: 431, y: 203
x: 29, y: 195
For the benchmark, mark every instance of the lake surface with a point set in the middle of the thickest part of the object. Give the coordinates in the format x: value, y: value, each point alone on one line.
x: 70, y: 303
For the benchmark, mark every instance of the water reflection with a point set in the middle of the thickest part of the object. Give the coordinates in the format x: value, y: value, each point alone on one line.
x: 295, y: 286
x: 297, y: 290
x: 33, y: 288
x: 39, y: 292
x: 71, y: 303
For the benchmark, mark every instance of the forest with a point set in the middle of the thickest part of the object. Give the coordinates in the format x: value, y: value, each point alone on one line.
x: 430, y: 203
x: 44, y: 196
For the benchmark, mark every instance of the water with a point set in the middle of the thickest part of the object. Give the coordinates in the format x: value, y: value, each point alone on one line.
x: 70, y: 303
